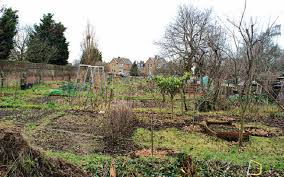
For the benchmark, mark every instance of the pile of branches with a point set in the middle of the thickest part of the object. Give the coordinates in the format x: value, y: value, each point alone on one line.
x: 18, y: 159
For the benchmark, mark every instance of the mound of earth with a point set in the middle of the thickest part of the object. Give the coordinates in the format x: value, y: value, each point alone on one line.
x: 18, y: 159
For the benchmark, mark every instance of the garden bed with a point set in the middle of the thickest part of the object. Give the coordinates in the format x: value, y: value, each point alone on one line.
x: 224, y: 130
x: 81, y: 132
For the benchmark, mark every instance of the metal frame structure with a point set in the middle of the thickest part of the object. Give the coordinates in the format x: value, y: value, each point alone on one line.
x: 92, y: 70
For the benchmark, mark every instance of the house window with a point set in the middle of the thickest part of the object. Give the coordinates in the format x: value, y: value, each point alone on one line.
x: 159, y: 66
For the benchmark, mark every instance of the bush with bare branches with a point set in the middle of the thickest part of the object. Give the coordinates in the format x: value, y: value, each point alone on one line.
x: 118, y: 123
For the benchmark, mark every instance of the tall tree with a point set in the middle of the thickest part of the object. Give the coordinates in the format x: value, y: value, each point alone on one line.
x: 185, y: 37
x: 20, y: 46
x: 214, y: 59
x: 8, y: 29
x: 134, y: 69
x: 49, y: 34
x: 40, y: 51
x: 91, y: 54
x: 252, y: 40
x: 269, y: 51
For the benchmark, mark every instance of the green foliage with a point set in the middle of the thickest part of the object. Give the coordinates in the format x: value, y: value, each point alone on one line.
x: 8, y: 24
x: 169, y: 85
x: 258, y: 99
x: 172, y: 84
x: 55, y: 92
x: 94, y: 56
x: 186, y: 76
x: 30, y: 126
x: 134, y: 69
x: 147, y: 167
x: 11, y: 101
x: 48, y: 39
x: 27, y: 163
x: 51, y: 105
x: 66, y: 89
x: 125, y: 166
x: 69, y: 88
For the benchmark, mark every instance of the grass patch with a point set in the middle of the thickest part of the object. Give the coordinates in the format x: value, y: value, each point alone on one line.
x: 125, y: 166
x: 30, y: 127
x: 267, y: 151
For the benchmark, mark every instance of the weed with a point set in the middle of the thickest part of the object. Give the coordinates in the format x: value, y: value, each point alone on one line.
x: 30, y: 126
x: 27, y: 163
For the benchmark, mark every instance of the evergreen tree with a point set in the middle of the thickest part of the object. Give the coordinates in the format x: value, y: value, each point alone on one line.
x: 8, y: 29
x: 134, y: 69
x: 49, y: 35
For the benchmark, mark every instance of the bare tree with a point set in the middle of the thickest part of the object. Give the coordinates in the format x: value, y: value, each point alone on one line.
x: 269, y: 51
x: 20, y: 46
x: 39, y: 51
x: 215, y: 57
x: 251, y: 39
x: 90, y: 51
x: 185, y: 38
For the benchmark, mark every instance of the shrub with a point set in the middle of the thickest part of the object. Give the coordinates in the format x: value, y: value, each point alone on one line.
x: 119, y: 123
x: 206, y: 103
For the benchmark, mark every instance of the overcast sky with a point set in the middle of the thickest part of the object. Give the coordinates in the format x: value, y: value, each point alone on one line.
x: 128, y: 28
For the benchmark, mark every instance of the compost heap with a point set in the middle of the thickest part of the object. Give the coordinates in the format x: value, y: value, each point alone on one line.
x: 18, y: 159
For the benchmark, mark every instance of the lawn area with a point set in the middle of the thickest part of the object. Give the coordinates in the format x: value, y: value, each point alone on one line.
x: 268, y: 151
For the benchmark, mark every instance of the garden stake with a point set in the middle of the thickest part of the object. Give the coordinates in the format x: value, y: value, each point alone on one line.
x: 152, y: 138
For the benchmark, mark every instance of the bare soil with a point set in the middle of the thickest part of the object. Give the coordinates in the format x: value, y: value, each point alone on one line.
x: 158, y: 153
x: 223, y: 128
x: 162, y: 120
x: 187, y: 123
x: 82, y: 133
x: 4, y: 113
x: 30, y: 116
x: 148, y: 104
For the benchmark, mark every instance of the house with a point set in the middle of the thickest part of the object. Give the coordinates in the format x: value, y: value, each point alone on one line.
x: 154, y: 65
x: 140, y: 66
x: 119, y: 66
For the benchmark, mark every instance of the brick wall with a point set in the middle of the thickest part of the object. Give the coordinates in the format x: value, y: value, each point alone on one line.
x: 11, y: 72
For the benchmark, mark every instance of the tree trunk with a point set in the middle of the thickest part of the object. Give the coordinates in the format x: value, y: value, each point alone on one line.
x: 216, y: 94
x: 184, y: 99
x: 172, y: 103
x: 163, y: 96
x: 181, y: 103
x: 246, y: 91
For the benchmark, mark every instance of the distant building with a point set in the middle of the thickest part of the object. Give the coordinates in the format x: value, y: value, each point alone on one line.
x: 140, y: 66
x: 154, y: 65
x: 119, y: 66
